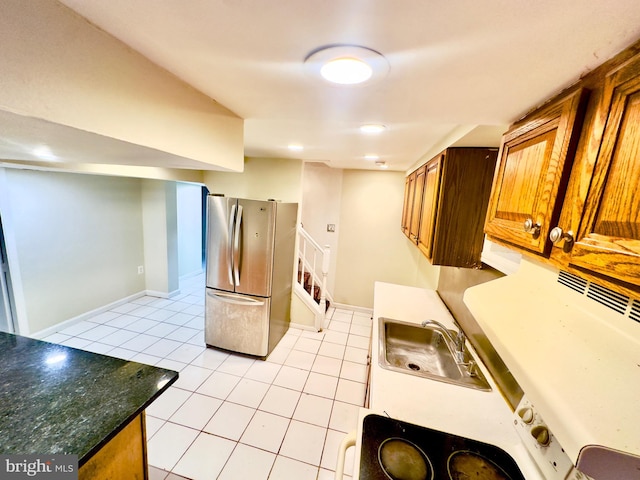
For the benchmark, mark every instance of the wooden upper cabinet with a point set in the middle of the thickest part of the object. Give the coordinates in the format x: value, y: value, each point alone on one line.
x: 448, y: 197
x: 608, y: 240
x: 534, y: 165
x: 409, y: 191
x: 406, y: 207
x: 429, y: 206
x: 416, y: 208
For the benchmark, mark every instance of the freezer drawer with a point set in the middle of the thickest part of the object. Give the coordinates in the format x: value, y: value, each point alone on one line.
x: 239, y: 323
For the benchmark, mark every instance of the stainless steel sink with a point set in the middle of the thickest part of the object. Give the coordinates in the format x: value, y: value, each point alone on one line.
x: 424, y: 351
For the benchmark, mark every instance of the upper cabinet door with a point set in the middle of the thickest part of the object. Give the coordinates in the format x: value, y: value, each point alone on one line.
x: 534, y: 164
x: 406, y: 206
x: 429, y: 206
x: 608, y: 241
x: 416, y: 209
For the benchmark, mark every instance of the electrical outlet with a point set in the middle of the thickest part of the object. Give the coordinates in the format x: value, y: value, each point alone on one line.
x: 140, y: 269
x: 331, y: 227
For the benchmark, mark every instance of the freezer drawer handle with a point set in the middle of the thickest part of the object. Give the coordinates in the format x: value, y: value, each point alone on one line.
x: 236, y: 248
x: 236, y: 300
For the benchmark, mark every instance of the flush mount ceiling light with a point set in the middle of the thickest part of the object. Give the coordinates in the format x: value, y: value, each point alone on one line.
x: 371, y: 156
x: 347, y: 64
x: 373, y: 128
x: 346, y: 71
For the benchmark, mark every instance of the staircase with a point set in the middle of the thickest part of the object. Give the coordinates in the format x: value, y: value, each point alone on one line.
x: 309, y: 284
x: 313, y: 269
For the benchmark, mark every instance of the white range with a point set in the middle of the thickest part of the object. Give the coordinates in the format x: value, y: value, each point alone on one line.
x: 578, y: 364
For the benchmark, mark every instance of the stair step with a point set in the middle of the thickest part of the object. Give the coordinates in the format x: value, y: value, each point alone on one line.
x: 307, y: 286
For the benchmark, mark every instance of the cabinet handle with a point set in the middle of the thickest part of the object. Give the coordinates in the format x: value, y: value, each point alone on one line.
x: 556, y: 235
x: 532, y: 228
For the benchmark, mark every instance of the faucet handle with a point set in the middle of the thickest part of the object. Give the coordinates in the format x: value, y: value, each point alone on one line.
x: 472, y: 368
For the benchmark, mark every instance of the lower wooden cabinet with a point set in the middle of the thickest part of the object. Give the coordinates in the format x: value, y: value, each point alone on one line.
x: 451, y: 193
x: 123, y: 457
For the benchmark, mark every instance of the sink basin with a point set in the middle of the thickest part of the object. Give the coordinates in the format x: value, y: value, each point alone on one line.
x: 424, y: 352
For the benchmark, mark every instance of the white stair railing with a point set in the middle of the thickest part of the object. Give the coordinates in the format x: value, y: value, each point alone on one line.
x: 313, y: 260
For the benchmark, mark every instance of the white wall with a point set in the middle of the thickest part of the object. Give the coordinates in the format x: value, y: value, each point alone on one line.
x: 159, y: 223
x: 58, y: 67
x: 262, y: 179
x: 189, y: 210
x: 76, y: 243
x: 371, y: 246
x: 321, y: 200
x: 365, y: 206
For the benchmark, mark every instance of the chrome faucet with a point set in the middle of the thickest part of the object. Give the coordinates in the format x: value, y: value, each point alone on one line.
x: 456, y: 344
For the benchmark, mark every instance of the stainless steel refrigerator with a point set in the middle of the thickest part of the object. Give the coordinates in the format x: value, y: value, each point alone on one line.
x: 250, y: 255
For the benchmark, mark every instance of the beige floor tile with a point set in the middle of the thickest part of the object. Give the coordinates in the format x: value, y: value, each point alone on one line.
x: 313, y: 409
x: 248, y: 463
x: 265, y: 431
x: 205, y: 458
x: 230, y: 421
x: 303, y: 442
x: 280, y: 401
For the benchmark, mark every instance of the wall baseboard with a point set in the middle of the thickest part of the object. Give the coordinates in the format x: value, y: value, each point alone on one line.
x: 155, y: 293
x: 105, y: 308
x: 368, y: 311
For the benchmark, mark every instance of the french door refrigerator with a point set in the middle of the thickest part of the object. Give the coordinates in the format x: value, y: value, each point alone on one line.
x: 250, y: 254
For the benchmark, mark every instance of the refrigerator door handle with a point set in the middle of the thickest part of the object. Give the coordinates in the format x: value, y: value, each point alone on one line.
x: 236, y: 299
x: 236, y: 248
x: 229, y: 244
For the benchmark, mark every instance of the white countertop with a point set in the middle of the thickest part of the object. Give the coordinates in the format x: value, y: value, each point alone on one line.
x: 577, y: 361
x: 483, y: 416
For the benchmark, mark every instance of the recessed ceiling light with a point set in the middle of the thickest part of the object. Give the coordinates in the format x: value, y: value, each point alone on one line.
x: 295, y: 147
x: 347, y: 64
x: 373, y: 128
x: 371, y: 156
x: 44, y: 153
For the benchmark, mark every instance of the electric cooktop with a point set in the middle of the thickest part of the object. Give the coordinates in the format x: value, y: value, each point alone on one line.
x: 396, y: 450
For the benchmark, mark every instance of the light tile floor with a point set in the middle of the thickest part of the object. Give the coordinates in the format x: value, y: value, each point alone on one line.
x: 232, y: 417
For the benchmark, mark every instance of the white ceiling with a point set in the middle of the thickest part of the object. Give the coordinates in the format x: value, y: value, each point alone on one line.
x: 454, y: 65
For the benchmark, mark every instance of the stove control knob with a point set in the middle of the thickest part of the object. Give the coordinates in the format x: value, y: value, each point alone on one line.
x: 541, y: 434
x: 526, y: 414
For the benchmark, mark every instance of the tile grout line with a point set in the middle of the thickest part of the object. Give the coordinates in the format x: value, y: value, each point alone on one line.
x: 304, y: 342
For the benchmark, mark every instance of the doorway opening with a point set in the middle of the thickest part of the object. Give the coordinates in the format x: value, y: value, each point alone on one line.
x: 7, y: 311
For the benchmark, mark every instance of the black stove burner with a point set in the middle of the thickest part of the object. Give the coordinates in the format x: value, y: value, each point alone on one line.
x: 402, y: 460
x: 396, y: 450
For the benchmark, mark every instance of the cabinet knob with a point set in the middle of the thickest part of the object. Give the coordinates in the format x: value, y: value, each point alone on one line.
x: 556, y: 235
x: 531, y: 227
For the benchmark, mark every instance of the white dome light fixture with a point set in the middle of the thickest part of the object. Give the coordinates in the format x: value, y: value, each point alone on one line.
x: 347, y: 64
x: 346, y: 71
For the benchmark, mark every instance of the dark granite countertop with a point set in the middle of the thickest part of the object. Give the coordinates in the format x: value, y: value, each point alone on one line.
x: 61, y: 400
